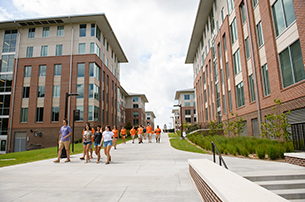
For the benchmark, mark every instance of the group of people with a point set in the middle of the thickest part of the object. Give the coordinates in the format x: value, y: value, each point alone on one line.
x: 109, y: 137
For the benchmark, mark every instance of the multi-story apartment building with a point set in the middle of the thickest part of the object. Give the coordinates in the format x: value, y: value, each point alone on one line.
x: 176, y: 119
x: 122, y: 107
x: 246, y: 54
x: 186, y: 98
x: 135, y: 109
x: 42, y: 60
x: 150, y: 118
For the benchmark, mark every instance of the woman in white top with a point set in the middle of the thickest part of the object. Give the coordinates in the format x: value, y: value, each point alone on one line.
x: 107, y: 138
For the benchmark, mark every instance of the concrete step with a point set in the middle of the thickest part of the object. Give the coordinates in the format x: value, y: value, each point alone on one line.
x: 282, y: 184
x: 290, y: 193
x: 277, y: 177
x: 297, y: 200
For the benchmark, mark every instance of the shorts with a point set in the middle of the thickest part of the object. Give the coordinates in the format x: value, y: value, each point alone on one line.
x: 64, y: 144
x: 108, y: 143
x: 86, y: 143
x: 149, y: 134
x: 157, y: 135
x: 116, y: 137
x: 96, y: 144
x: 139, y: 135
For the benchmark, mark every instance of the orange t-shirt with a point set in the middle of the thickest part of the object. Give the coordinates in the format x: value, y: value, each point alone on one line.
x: 123, y: 131
x: 158, y: 131
x: 115, y: 132
x: 149, y: 129
x: 133, y: 131
x: 140, y: 131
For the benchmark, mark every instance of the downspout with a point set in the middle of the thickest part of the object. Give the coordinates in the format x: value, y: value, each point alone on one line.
x: 14, y: 89
x: 254, y: 70
x: 71, y: 60
x: 203, y: 103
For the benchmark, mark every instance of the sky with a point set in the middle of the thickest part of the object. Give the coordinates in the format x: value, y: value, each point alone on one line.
x: 154, y: 35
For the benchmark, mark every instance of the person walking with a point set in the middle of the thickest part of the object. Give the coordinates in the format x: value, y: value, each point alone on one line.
x: 149, y: 132
x: 107, y: 139
x: 97, y: 142
x: 92, y: 131
x: 87, y: 136
x: 158, y: 132
x: 123, y: 134
x: 140, y: 134
x: 144, y: 132
x: 132, y: 134
x: 64, y: 140
x: 116, y: 136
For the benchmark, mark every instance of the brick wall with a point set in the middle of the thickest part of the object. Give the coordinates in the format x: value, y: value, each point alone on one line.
x: 295, y: 161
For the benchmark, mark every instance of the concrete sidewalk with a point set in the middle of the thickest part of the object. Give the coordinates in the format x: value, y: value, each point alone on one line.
x: 145, y: 172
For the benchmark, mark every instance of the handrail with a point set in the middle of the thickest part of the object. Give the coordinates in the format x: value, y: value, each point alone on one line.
x: 220, y: 157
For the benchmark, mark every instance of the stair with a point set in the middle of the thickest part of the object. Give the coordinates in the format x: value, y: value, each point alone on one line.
x: 288, y: 186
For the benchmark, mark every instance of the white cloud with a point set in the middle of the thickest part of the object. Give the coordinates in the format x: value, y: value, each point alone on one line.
x: 4, y: 14
x: 154, y: 35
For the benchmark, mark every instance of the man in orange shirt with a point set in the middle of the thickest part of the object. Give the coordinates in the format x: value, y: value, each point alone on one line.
x: 140, y: 133
x: 158, y: 132
x: 149, y: 132
x: 123, y: 134
x: 132, y: 133
x: 115, y: 137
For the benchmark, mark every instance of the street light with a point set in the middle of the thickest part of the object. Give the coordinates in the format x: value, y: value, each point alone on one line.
x: 68, y: 95
x: 179, y: 105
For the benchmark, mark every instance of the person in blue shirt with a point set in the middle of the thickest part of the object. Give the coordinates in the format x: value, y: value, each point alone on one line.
x: 64, y: 140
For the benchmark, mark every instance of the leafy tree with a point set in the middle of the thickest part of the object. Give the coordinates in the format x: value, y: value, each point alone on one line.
x: 236, y: 126
x: 214, y: 126
x: 128, y: 126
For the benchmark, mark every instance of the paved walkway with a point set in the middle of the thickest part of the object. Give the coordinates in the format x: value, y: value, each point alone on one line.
x: 146, y: 172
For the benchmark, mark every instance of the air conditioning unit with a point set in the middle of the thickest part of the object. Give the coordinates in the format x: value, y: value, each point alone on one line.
x: 38, y: 134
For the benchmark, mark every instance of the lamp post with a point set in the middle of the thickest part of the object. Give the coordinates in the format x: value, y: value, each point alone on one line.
x: 179, y: 105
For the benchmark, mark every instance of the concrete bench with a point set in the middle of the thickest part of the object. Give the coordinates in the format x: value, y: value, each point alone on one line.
x: 215, y: 183
x: 295, y: 158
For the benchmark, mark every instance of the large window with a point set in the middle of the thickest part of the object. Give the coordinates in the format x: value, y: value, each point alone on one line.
x: 56, y: 91
x: 187, y: 104
x: 9, y: 42
x: 58, y: 50
x: 55, y: 114
x: 236, y: 62
x: 95, y: 31
x: 243, y: 12
x: 247, y: 48
x: 205, y: 95
x: 227, y: 69
x: 81, y: 112
x: 60, y: 30
x: 230, y: 6
x: 94, y: 49
x: 217, y: 95
x: 31, y: 33
x: 186, y: 97
x: 260, y: 38
x: 80, y: 91
x: 254, y: 3
x: 27, y: 71
x: 29, y: 52
x: 24, y: 115
x: 291, y: 62
x: 240, y: 97
x: 224, y: 103
x: 44, y: 51
x: 42, y: 70
x: 26, y: 92
x: 81, y: 70
x: 82, y: 30
x: 266, y: 80
x: 93, y: 91
x: 135, y: 114
x: 45, y: 31
x: 233, y: 31
x: 6, y: 82
x: 283, y: 15
x: 135, y: 106
x: 252, y: 92
x: 7, y: 63
x: 93, y: 113
x: 135, y: 99
x: 82, y: 48
x: 39, y: 114
x: 94, y: 70
x: 57, y: 70
x: 230, y: 101
x: 187, y: 112
x: 40, y: 91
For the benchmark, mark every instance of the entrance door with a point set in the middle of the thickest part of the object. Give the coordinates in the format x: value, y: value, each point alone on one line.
x: 255, y: 129
x: 20, y: 141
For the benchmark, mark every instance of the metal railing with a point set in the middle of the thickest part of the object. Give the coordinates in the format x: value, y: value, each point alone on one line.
x: 220, y: 157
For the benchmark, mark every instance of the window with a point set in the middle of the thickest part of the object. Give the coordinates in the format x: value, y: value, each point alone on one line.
x: 82, y: 48
x: 243, y: 13
x: 57, y: 70
x: 217, y: 95
x: 283, y: 15
x: 29, y: 52
x: 205, y: 95
x: 221, y: 76
x: 224, y: 103
x: 230, y: 101
x: 94, y: 49
x: 27, y: 71
x: 92, y: 29
x: 135, y: 99
x: 93, y: 91
x: 39, y: 114
x: 135, y: 114
x: 95, y: 31
x: 260, y: 38
x: 230, y: 6
x: 24, y: 115
x: 186, y: 97
x: 266, y: 80
x: 227, y: 69
x: 31, y: 34
x: 206, y: 114
x: 60, y: 30
x: 56, y: 91
x: 42, y: 70
x: 212, y: 20
x: 93, y: 113
x: 254, y: 3
x: 81, y: 112
x: 135, y: 121
x: 233, y: 31
x: 45, y: 31
x: 6, y: 82
x: 188, y: 120
x: 135, y: 106
x: 81, y: 70
x: 58, y: 50
x: 224, y: 42
x: 236, y: 62
x: 40, y: 91
x: 187, y: 104
x: 3, y: 145
x: 247, y: 48
x: 26, y: 92
x: 252, y: 92
x: 44, y: 51
x: 203, y: 77
x: 107, y: 46
x: 187, y: 112
x: 222, y: 14
x: 106, y: 62
x: 55, y: 114
x: 94, y: 70
x: 9, y: 42
x: 80, y: 91
x: 291, y: 63
x: 240, y: 94
x: 82, y: 30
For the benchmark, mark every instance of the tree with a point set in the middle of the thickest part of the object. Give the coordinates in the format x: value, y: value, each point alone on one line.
x: 276, y: 124
x: 214, y: 126
x: 128, y: 126
x: 236, y: 126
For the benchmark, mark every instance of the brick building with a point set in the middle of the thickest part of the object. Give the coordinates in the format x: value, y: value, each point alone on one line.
x: 42, y: 60
x: 246, y: 54
x: 150, y: 118
x: 135, y: 109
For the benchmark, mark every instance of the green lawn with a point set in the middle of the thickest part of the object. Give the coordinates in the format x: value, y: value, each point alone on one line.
x: 39, y: 154
x: 183, y: 145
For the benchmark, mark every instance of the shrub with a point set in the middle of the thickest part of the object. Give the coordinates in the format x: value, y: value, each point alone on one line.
x: 231, y: 149
x: 273, y: 152
x: 260, y: 151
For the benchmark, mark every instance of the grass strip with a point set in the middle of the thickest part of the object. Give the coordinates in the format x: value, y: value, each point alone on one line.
x: 183, y: 145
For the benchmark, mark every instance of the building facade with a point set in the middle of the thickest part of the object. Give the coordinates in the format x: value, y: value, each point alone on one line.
x: 186, y: 98
x: 150, y: 119
x: 43, y: 59
x: 176, y: 119
x: 246, y: 54
x: 135, y: 109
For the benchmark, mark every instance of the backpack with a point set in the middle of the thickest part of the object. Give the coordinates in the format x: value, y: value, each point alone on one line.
x: 144, y: 130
